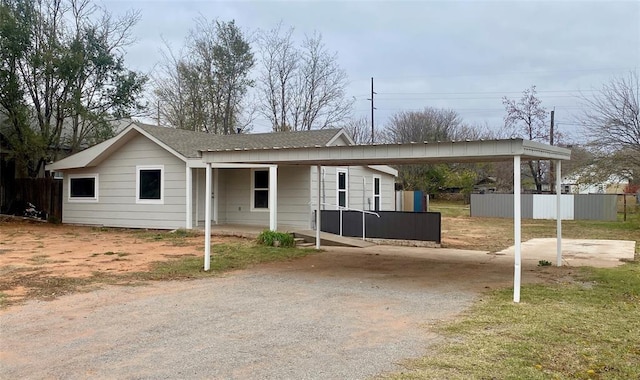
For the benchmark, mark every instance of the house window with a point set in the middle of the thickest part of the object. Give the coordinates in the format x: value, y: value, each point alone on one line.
x: 260, y: 190
x: 376, y: 193
x: 150, y: 184
x: 342, y: 188
x: 83, y: 188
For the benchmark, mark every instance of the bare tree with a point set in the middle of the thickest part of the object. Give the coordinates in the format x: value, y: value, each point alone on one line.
x: 612, y: 117
x: 322, y: 86
x: 279, y: 63
x: 430, y: 124
x: 527, y: 118
x: 204, y: 87
x: 359, y: 130
x: 303, y: 87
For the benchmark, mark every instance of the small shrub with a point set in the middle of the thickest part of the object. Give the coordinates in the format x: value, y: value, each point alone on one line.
x: 269, y: 238
x: 544, y: 263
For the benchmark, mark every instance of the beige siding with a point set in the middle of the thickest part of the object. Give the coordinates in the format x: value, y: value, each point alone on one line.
x: 116, y: 205
x: 293, y: 198
x: 360, y: 187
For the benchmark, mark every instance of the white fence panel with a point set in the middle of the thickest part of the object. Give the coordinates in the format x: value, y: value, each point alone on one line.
x: 544, y: 206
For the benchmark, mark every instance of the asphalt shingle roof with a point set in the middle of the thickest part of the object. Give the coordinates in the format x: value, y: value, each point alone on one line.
x: 189, y: 143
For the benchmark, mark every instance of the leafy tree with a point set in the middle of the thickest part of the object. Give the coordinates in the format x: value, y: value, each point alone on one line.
x: 301, y: 88
x: 63, y: 77
x: 204, y: 87
x: 526, y: 118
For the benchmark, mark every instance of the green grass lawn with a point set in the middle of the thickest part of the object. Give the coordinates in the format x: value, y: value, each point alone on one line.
x: 586, y: 326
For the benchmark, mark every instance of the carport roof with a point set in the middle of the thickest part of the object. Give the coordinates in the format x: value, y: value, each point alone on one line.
x: 393, y: 154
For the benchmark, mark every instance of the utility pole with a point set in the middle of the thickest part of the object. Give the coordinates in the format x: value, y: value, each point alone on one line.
x: 552, y: 173
x: 553, y: 111
x: 372, y: 108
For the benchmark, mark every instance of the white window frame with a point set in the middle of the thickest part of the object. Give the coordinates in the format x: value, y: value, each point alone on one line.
x: 346, y: 189
x: 374, y: 195
x: 83, y: 199
x: 253, y: 190
x: 162, y: 180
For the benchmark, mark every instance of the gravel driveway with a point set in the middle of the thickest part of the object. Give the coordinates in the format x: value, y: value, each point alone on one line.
x: 340, y: 314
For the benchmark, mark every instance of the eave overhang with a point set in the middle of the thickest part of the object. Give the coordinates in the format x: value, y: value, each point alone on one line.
x: 394, y: 154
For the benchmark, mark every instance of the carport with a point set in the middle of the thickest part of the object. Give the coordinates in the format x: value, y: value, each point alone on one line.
x: 515, y: 150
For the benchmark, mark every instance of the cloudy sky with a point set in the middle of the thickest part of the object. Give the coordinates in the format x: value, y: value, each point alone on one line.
x: 462, y: 55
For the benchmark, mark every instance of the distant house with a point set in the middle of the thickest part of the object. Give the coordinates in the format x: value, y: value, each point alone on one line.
x: 154, y: 177
x: 485, y: 185
x: 578, y: 183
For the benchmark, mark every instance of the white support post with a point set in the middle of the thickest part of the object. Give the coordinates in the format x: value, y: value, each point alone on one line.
x: 363, y: 230
x: 197, y: 197
x: 273, y: 198
x: 516, y: 228
x: 189, y: 198
x: 216, y: 174
x: 318, y: 219
x: 340, y: 220
x: 558, y: 214
x: 207, y: 219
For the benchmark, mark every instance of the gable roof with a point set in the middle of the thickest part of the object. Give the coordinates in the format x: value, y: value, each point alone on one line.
x: 189, y: 144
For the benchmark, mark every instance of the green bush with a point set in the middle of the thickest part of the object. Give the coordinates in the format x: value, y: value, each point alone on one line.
x: 269, y: 238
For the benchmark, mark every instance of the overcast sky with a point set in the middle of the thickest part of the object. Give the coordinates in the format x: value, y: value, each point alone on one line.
x: 462, y: 55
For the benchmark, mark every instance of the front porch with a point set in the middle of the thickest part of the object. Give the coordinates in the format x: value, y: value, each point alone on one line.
x: 252, y: 232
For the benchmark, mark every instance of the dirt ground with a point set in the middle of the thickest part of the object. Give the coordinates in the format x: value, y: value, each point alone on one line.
x: 342, y: 313
x: 31, y: 248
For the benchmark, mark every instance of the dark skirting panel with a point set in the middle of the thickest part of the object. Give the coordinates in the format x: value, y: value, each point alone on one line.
x: 423, y: 226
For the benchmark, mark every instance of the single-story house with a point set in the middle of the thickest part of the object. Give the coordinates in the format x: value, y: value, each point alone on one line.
x: 582, y: 182
x: 154, y: 177
x: 153, y: 180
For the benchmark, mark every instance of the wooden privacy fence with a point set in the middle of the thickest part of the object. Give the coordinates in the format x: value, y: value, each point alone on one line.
x: 44, y: 193
x: 423, y: 226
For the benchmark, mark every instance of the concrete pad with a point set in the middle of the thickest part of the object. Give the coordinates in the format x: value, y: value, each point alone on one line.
x: 577, y: 252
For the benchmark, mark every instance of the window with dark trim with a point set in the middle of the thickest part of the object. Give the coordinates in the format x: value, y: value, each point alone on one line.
x: 83, y: 188
x: 260, y: 189
x: 376, y: 193
x: 149, y: 184
x: 342, y: 182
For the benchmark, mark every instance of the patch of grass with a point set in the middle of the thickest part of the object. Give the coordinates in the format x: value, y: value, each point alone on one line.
x: 40, y: 259
x: 495, y: 234
x: 275, y: 239
x: 177, y: 237
x: 3, y: 300
x: 544, y: 263
x: 588, y: 328
x: 224, y: 257
x: 449, y: 208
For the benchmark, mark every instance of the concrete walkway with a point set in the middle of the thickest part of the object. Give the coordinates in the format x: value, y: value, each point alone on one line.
x: 577, y: 252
